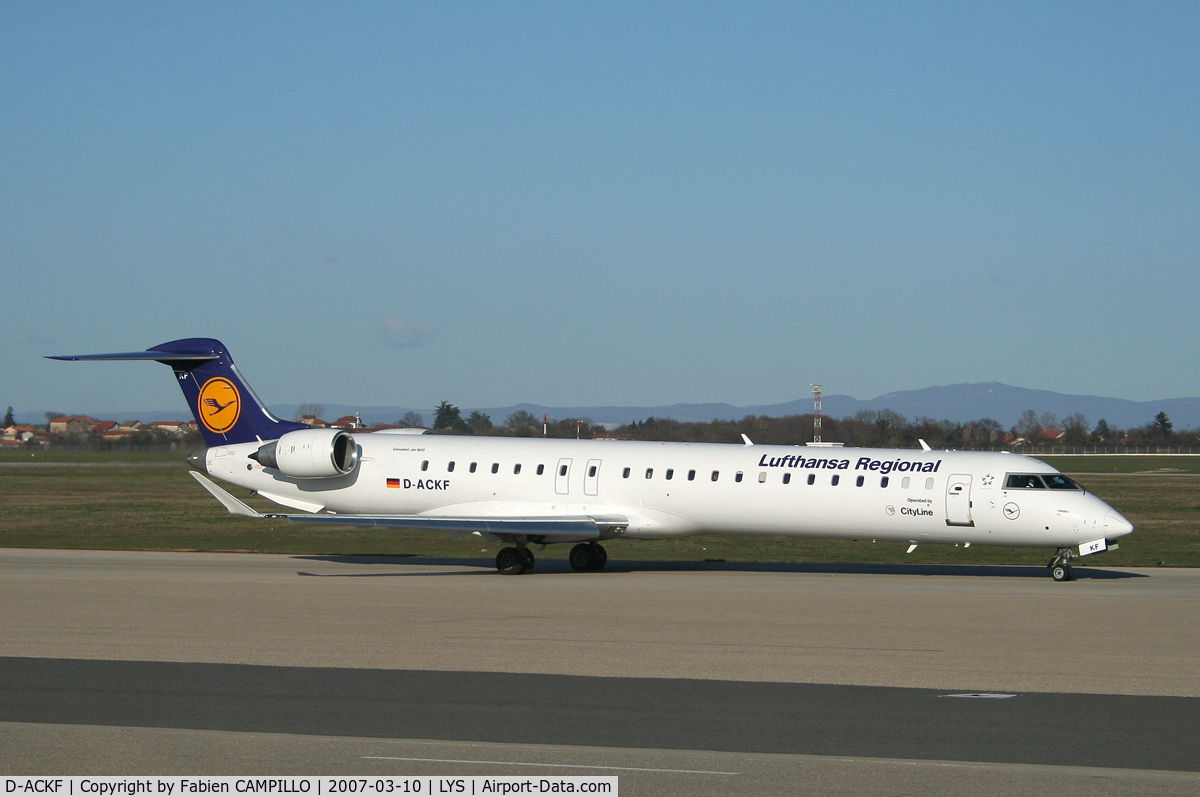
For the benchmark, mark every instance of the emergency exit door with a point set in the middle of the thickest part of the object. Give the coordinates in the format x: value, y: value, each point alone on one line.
x: 591, y: 477
x: 562, y: 477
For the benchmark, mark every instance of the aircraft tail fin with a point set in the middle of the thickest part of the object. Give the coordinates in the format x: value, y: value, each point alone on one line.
x: 225, y: 408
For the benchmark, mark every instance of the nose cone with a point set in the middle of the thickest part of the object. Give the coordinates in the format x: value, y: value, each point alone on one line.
x: 1115, y: 525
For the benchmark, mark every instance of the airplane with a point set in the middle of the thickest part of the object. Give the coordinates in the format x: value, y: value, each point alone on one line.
x: 524, y: 491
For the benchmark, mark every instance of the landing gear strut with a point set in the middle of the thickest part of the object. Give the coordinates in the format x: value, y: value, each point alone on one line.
x: 1060, y: 565
x: 515, y: 561
x: 588, y: 557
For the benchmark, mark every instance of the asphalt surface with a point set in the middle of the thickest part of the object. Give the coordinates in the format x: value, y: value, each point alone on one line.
x: 682, y: 680
x: 1001, y: 629
x: 815, y: 719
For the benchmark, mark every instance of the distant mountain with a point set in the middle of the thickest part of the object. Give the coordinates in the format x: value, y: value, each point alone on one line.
x: 963, y: 402
x: 1005, y: 403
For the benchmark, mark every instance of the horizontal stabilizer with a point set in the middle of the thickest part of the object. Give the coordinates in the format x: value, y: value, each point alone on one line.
x: 234, y: 506
x: 159, y: 356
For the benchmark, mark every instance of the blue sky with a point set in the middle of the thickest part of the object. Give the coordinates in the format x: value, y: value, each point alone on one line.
x: 577, y: 204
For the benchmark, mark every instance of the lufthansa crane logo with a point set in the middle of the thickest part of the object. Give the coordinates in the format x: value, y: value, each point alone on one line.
x: 219, y: 405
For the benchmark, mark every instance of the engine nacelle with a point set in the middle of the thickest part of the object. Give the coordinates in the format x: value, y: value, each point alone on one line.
x: 310, y: 454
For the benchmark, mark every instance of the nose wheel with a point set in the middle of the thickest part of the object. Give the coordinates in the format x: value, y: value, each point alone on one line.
x: 588, y: 557
x: 1060, y: 565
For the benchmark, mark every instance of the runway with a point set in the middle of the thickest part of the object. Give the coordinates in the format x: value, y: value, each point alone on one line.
x: 788, y: 675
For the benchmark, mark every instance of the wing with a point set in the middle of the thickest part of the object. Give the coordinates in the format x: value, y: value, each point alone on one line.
x: 563, y: 528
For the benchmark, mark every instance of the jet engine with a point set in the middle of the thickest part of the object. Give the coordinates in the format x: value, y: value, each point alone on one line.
x: 310, y: 454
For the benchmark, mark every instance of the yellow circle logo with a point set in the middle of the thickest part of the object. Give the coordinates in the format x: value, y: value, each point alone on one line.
x: 219, y: 405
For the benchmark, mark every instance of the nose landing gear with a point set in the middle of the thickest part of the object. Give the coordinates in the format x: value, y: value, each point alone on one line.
x: 1060, y: 565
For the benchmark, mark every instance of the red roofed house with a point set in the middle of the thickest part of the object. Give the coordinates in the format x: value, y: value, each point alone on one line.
x: 19, y: 434
x: 71, y: 425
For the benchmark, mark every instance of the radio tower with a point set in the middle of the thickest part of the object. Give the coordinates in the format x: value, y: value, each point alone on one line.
x: 817, y: 391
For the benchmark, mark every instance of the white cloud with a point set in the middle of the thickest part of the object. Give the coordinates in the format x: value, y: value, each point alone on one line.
x: 396, y: 333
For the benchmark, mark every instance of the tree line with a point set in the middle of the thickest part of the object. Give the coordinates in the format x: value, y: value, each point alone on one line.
x: 448, y: 418
x: 890, y: 429
x: 868, y: 428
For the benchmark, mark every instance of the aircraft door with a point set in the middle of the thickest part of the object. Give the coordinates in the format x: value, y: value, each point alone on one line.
x: 562, y: 477
x: 958, y: 500
x: 591, y: 477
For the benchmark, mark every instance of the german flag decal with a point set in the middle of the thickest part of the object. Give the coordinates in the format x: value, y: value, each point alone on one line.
x: 394, y: 483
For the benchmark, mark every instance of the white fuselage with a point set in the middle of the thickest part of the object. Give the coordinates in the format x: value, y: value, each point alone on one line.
x: 669, y: 489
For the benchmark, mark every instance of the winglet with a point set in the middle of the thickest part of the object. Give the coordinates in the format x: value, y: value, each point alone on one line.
x: 234, y: 506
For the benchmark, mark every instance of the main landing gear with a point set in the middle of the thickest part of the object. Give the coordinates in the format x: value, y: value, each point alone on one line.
x: 515, y: 561
x: 588, y: 557
x: 1060, y: 565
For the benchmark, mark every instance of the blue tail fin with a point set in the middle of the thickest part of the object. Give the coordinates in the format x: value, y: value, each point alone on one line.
x: 225, y: 407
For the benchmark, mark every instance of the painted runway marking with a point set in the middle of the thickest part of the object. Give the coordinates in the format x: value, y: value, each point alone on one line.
x: 693, y: 644
x: 533, y: 764
x: 983, y: 695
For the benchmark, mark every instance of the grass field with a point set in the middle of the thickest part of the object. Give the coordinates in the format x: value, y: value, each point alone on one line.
x: 147, y: 501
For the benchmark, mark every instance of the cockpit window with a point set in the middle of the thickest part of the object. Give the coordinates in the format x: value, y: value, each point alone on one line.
x: 1024, y: 481
x: 1057, y: 481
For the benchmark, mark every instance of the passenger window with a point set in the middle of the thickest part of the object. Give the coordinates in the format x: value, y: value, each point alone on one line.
x: 625, y: 473
x: 472, y: 468
x: 516, y: 469
x: 836, y: 478
x: 592, y: 471
x: 425, y: 465
x: 762, y: 477
x: 495, y: 467
x: 562, y: 471
x: 649, y: 472
x: 905, y: 482
x: 541, y: 469
x: 691, y: 475
x: 883, y: 482
x: 450, y: 467
x: 670, y: 473
x: 812, y: 478
x: 787, y: 478
x: 737, y: 477
x: 859, y: 481
x: 716, y: 473
x: 929, y: 483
